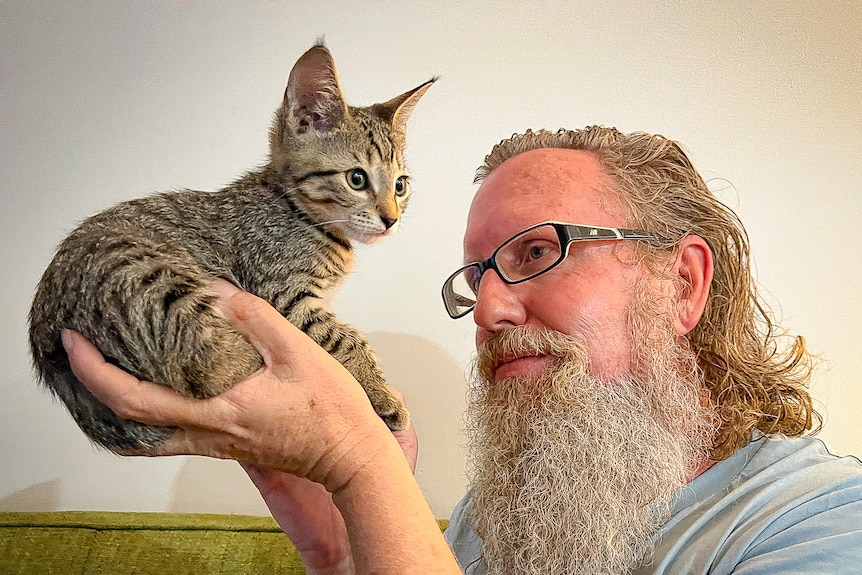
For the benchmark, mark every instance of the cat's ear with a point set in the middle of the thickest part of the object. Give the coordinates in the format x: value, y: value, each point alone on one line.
x: 313, y: 97
x: 398, y: 109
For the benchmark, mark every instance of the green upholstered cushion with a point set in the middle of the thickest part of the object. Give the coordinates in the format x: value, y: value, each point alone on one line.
x: 98, y: 543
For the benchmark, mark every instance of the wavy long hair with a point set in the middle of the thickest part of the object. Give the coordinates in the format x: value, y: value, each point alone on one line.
x: 757, y: 375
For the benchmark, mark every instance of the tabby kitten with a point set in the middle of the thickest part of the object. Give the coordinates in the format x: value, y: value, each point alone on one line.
x: 136, y: 279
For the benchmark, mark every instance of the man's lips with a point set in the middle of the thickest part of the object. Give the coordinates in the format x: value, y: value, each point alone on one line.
x: 509, y: 365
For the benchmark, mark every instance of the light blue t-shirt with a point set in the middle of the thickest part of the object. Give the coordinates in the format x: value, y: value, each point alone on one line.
x: 777, y: 506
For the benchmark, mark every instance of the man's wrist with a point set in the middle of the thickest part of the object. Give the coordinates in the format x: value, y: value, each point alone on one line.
x: 361, y: 446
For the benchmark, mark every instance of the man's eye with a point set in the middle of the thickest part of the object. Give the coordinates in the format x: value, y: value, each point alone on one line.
x: 534, y: 252
x: 537, y: 252
x: 472, y: 277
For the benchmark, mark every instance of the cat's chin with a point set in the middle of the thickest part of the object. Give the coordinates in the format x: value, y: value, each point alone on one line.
x: 370, y: 237
x: 374, y: 238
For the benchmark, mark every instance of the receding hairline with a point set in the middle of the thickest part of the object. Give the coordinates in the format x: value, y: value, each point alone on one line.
x: 534, y: 154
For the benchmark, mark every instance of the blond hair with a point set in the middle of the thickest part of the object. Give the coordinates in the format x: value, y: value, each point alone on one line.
x: 755, y: 380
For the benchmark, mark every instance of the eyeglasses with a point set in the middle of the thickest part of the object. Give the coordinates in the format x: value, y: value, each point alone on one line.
x: 527, y: 254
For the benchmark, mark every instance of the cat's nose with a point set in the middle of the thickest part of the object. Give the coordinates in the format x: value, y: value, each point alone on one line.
x: 388, y: 221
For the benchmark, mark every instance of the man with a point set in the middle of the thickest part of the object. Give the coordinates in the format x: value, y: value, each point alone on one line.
x: 619, y: 360
x: 631, y: 409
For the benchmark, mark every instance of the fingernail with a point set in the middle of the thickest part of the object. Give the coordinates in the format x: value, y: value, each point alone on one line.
x: 68, y: 340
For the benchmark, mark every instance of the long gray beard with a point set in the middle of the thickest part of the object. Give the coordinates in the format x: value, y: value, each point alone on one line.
x: 574, y: 475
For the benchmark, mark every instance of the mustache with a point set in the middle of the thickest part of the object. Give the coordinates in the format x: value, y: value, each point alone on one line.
x: 522, y: 341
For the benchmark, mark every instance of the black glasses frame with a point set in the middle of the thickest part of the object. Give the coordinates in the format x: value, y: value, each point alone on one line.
x: 567, y: 234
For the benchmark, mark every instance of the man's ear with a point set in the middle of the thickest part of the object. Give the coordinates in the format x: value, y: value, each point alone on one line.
x: 692, y: 271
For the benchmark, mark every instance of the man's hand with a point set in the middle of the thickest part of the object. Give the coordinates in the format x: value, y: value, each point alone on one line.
x: 302, y: 413
x: 332, y: 473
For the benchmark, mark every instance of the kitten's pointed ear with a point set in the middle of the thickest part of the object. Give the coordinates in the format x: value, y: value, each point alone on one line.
x: 313, y: 97
x: 398, y: 109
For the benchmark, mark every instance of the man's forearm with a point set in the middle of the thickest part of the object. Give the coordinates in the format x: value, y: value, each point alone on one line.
x: 391, y: 528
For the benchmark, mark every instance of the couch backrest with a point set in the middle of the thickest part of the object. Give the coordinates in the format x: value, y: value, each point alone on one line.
x: 95, y: 542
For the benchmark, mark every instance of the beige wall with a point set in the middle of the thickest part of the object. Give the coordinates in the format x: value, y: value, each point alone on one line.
x: 106, y: 102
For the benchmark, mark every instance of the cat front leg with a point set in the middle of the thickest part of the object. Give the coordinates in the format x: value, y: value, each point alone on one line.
x: 346, y: 344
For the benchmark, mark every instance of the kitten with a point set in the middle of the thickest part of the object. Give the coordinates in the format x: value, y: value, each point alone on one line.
x: 136, y: 279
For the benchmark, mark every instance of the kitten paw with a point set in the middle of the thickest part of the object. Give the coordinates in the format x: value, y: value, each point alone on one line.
x: 393, y: 413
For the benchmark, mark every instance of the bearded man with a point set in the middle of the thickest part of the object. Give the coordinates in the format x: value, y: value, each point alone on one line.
x: 621, y: 355
x: 633, y: 408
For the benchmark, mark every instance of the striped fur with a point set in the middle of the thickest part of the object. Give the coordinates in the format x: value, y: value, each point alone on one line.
x: 136, y: 278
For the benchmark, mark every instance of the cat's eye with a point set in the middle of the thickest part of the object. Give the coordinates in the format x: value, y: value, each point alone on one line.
x: 357, y: 179
x: 401, y: 186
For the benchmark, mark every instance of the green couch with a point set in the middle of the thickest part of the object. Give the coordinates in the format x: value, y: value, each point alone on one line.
x: 101, y: 543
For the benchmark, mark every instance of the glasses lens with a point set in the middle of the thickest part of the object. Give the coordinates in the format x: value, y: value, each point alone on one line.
x: 529, y: 253
x: 459, y: 291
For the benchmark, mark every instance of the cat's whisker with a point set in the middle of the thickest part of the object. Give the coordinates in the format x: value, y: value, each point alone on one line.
x: 329, y: 222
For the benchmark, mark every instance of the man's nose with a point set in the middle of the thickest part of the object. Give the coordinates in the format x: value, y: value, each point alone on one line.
x: 498, y: 305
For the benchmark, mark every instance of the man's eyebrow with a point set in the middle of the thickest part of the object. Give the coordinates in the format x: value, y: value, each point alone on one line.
x: 473, y: 259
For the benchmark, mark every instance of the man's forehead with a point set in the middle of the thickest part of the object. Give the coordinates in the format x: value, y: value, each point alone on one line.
x: 541, y: 185
x: 552, y: 162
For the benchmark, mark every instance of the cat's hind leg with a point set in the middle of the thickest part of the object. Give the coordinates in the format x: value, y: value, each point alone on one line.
x: 149, y: 308
x: 167, y: 326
